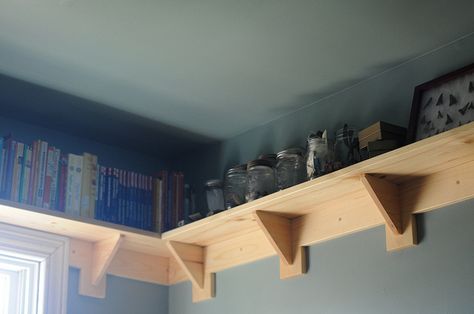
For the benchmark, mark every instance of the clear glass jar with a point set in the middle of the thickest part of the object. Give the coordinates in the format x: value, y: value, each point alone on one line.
x: 235, y: 186
x: 270, y: 157
x: 260, y: 179
x: 214, y: 195
x: 346, y: 147
x: 290, y: 168
x: 320, y: 155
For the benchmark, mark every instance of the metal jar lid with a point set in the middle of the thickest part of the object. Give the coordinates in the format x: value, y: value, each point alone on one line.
x: 237, y: 169
x: 270, y: 157
x: 213, y: 183
x: 260, y: 162
x: 291, y: 151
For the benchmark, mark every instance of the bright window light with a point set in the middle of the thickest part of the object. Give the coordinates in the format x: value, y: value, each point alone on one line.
x: 4, y: 293
x: 33, y: 271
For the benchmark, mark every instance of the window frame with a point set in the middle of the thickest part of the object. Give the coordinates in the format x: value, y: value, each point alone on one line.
x: 51, y: 252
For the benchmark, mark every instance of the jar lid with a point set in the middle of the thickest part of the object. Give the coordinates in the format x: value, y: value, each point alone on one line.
x: 291, y: 151
x: 270, y: 157
x: 237, y: 168
x: 260, y: 162
x: 213, y: 183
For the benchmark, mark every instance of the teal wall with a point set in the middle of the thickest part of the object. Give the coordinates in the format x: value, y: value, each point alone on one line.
x: 353, y: 274
x: 386, y: 97
x: 123, y: 296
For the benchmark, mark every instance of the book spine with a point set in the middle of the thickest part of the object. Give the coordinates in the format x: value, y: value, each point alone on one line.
x: 141, y: 211
x: 128, y: 218
x: 121, y: 196
x: 41, y: 173
x: 10, y: 166
x: 48, y: 177
x: 63, y: 179
x: 115, y: 214
x: 151, y: 217
x: 74, y: 184
x: 164, y: 201
x: 101, y: 198
x: 86, y: 185
x: 2, y: 161
x: 108, y: 195
x: 18, y: 166
x: 34, y: 173
x: 94, y: 186
x: 53, y: 195
x: 26, y: 176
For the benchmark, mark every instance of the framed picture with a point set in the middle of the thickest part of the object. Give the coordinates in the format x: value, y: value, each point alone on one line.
x: 442, y: 104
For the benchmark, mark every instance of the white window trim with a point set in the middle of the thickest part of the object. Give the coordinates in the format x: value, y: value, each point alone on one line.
x: 53, y: 252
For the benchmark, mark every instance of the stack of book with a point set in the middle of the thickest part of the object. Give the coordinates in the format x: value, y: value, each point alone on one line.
x: 41, y: 175
x: 169, y: 197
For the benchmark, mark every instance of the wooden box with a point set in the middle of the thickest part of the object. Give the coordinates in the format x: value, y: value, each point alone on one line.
x: 382, y: 131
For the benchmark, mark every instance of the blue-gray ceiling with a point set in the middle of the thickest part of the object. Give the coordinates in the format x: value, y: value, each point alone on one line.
x: 206, y: 69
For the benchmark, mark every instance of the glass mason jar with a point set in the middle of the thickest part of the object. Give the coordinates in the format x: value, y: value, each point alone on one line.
x: 320, y: 156
x: 346, y: 148
x: 290, y: 168
x: 235, y: 186
x: 270, y: 157
x: 214, y: 195
x: 260, y: 179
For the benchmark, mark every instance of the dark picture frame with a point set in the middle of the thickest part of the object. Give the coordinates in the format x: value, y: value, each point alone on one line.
x: 445, y: 103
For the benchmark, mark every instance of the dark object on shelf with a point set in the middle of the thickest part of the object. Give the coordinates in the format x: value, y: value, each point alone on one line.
x: 381, y: 131
x: 270, y: 157
x: 260, y: 178
x: 426, y: 120
x: 346, y: 147
x: 210, y: 213
x: 320, y: 155
x: 214, y: 195
x: 376, y: 148
x: 235, y: 186
x: 195, y: 217
x: 291, y: 167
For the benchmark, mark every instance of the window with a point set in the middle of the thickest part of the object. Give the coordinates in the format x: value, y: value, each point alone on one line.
x: 33, y: 271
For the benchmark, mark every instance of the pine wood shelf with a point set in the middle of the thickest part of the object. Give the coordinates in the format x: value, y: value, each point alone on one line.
x: 388, y: 189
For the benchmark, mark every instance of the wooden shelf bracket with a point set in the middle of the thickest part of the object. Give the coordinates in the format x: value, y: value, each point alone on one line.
x: 279, y: 232
x: 400, y: 227
x: 103, y: 253
x: 191, y: 259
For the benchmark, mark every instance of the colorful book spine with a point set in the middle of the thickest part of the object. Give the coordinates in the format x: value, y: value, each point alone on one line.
x: 34, y: 173
x: 11, y: 153
x: 94, y: 185
x: 17, y: 168
x: 48, y: 179
x: 62, y: 186
x: 86, y: 188
x: 74, y: 184
x: 26, y: 174
x: 43, y: 157
x: 53, y: 195
x: 2, y: 161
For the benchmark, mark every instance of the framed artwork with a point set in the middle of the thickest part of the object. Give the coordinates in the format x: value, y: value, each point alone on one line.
x: 442, y: 104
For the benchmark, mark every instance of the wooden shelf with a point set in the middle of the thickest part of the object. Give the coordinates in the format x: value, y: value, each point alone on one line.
x: 388, y: 189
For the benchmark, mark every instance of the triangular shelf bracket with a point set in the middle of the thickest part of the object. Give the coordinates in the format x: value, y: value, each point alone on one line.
x: 400, y: 226
x: 279, y: 232
x: 191, y: 259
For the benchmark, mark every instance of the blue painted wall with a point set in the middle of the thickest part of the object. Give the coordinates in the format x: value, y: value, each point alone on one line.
x: 123, y: 296
x: 355, y: 274
x: 386, y: 97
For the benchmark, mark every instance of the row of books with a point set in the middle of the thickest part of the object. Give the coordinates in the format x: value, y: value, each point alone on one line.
x: 43, y: 176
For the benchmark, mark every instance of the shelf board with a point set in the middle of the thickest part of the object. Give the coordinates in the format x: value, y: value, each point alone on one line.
x: 80, y: 228
x: 340, y: 189
x: 388, y: 189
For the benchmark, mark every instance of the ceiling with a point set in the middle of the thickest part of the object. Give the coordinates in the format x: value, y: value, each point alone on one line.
x: 215, y: 68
